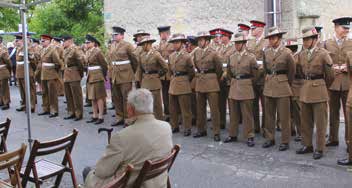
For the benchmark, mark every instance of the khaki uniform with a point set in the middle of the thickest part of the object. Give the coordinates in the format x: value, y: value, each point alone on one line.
x: 5, y: 69
x: 194, y: 93
x: 318, y: 75
x: 182, y: 72
x: 150, y: 70
x: 242, y: 71
x: 224, y: 52
x: 338, y: 91
x: 73, y: 73
x: 297, y: 84
x: 209, y: 70
x: 123, y: 64
x: 349, y: 106
x: 60, y: 84
x: 33, y: 58
x: 165, y: 49
x: 280, y: 68
x: 256, y: 47
x: 37, y: 72
x: 97, y: 69
x: 51, y: 64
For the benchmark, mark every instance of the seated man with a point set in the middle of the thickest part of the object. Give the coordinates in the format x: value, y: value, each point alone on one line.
x: 145, y: 139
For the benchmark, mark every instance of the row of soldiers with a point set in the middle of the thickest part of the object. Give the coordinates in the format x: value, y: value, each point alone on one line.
x: 185, y: 73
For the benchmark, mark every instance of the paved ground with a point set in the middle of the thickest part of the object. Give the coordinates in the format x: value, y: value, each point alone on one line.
x: 201, y: 163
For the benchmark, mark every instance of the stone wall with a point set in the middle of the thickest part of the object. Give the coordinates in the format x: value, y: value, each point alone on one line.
x: 186, y: 16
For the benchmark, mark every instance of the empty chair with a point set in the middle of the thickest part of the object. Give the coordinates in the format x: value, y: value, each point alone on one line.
x: 38, y: 170
x: 12, y: 161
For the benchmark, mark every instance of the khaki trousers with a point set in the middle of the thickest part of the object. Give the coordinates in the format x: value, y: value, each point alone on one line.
x: 5, y: 91
x: 120, y: 93
x: 272, y: 105
x: 336, y: 98
x: 213, y: 99
x: 74, y: 98
x: 50, y: 96
x: 314, y: 113
x: 22, y: 87
x: 244, y: 108
x: 180, y: 103
x: 158, y: 108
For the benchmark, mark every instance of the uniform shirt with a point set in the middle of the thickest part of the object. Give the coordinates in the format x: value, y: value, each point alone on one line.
x: 5, y: 64
x: 180, y: 63
x: 73, y: 64
x: 319, y: 64
x: 165, y: 49
x: 242, y: 64
x: 256, y: 46
x: 50, y: 56
x: 151, y: 67
x: 33, y: 58
x: 276, y: 60
x: 94, y: 58
x: 122, y: 52
x: 207, y: 60
x: 338, y: 52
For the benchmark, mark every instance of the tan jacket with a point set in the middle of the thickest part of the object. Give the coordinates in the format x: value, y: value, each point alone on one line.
x: 257, y: 49
x: 339, y: 57
x: 49, y: 56
x: 320, y: 63
x: 278, y: 85
x: 225, y: 52
x: 240, y: 65
x: 349, y: 64
x: 298, y: 81
x: 134, y: 145
x: 60, y: 52
x: 207, y: 60
x: 165, y: 49
x: 180, y: 63
x: 151, y: 62
x: 121, y: 52
x: 5, y: 64
x: 95, y: 58
x: 73, y: 64
x: 33, y: 57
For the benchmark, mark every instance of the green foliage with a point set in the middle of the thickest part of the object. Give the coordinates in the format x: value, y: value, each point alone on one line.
x: 9, y: 19
x: 74, y: 17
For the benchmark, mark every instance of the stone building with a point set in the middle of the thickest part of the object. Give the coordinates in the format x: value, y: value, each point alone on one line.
x: 191, y: 16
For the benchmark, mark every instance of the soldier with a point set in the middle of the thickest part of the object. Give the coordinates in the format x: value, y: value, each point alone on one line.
x: 256, y: 47
x: 216, y: 41
x: 165, y: 49
x: 244, y: 28
x: 297, y: 84
x: 227, y: 48
x: 97, y: 69
x: 33, y: 58
x: 241, y: 70
x: 123, y: 62
x: 60, y: 51
x: 5, y: 76
x: 73, y: 73
x: 139, y: 49
x: 280, y: 70
x: 338, y: 47
x: 192, y: 45
x: 50, y: 67
x: 151, y: 68
x: 182, y: 72
x: 209, y: 71
x: 314, y: 64
x: 348, y: 160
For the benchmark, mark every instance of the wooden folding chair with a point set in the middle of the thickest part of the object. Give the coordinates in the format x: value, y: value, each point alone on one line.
x: 152, y: 169
x: 4, y: 131
x: 122, y: 180
x: 13, y: 162
x: 37, y: 171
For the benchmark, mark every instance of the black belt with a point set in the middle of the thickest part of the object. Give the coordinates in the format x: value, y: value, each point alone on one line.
x: 176, y: 73
x: 208, y: 71
x: 151, y: 72
x: 314, y: 77
x: 271, y: 72
x: 242, y: 76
